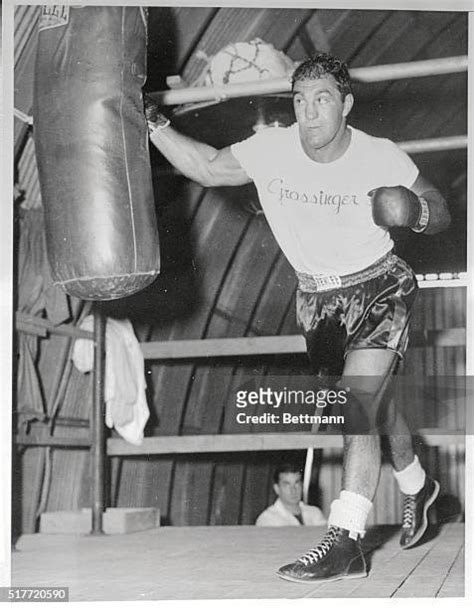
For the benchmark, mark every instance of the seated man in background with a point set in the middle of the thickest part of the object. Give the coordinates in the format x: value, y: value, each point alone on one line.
x: 289, y: 509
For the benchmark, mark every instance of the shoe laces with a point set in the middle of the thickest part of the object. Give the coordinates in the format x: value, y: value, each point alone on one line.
x: 408, y: 511
x: 318, y: 552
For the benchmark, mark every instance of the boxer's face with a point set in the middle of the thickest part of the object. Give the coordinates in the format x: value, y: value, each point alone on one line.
x: 289, y: 488
x: 321, y: 113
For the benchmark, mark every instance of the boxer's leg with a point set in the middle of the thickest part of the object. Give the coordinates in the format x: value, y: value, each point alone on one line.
x: 362, y: 458
x: 339, y: 555
x: 399, y: 440
x: 375, y: 316
x: 420, y: 491
x: 367, y: 373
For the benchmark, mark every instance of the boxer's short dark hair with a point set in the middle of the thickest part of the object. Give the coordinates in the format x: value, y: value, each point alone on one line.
x: 287, y: 467
x: 323, y: 64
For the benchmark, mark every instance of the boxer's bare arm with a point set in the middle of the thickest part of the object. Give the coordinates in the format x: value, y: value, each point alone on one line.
x: 198, y: 161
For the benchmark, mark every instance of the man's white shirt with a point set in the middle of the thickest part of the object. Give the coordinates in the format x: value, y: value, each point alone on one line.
x: 278, y: 515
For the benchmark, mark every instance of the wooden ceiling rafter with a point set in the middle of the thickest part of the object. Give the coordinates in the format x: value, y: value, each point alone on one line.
x: 352, y: 57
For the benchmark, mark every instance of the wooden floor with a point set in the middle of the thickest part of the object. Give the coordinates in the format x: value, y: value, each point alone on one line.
x: 232, y: 562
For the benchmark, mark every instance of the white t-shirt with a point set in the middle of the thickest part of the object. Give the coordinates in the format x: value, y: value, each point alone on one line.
x: 278, y: 515
x: 320, y: 213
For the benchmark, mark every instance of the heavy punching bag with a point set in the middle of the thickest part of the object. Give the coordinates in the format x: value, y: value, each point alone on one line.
x: 92, y: 152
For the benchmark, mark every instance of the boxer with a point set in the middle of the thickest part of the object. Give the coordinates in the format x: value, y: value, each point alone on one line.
x: 330, y: 193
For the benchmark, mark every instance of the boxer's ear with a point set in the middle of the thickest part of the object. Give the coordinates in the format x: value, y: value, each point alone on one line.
x: 348, y: 103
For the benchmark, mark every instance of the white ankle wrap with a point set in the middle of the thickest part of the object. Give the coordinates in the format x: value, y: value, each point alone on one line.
x: 350, y: 511
x: 412, y: 478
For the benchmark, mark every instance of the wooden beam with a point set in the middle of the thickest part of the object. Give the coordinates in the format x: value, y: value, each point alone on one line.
x: 434, y: 144
x: 253, y: 442
x: 410, y: 69
x: 443, y: 283
x: 374, y: 73
x: 24, y: 321
x: 198, y: 444
x: 454, y: 336
x: 29, y: 328
x: 274, y: 345
x: 223, y: 347
x: 49, y: 441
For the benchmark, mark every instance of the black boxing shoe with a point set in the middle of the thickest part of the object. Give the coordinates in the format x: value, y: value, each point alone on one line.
x: 415, y: 513
x: 336, y: 557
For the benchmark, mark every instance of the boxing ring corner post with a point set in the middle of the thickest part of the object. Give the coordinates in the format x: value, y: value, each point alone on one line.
x: 97, y: 423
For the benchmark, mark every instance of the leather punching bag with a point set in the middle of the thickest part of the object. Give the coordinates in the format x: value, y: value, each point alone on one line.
x: 91, y: 145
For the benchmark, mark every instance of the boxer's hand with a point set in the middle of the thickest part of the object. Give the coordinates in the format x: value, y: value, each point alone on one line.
x: 394, y: 206
x: 154, y: 118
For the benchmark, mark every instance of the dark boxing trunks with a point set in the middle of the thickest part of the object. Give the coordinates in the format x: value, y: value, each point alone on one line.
x: 369, y: 309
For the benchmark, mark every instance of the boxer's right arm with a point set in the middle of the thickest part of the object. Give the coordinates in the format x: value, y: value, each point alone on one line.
x: 198, y: 161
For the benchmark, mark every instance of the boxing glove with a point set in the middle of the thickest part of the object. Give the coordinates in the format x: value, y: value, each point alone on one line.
x: 395, y: 206
x: 154, y: 118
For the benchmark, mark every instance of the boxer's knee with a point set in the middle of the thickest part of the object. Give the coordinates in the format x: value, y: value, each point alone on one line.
x: 365, y: 410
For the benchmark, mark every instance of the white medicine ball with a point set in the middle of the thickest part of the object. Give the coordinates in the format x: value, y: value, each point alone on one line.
x: 246, y: 62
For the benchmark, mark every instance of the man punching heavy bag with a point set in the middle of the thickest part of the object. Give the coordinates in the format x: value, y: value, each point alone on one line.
x: 92, y: 150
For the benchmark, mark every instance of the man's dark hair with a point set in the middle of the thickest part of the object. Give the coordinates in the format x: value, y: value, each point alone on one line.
x: 323, y: 64
x: 287, y: 467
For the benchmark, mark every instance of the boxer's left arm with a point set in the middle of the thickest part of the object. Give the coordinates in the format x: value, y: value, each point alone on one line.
x: 421, y: 207
x: 439, y: 216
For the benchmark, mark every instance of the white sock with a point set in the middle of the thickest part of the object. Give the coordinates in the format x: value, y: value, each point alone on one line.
x: 350, y: 511
x: 412, y: 478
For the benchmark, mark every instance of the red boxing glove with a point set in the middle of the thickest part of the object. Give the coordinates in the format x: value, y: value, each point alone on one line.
x: 395, y: 206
